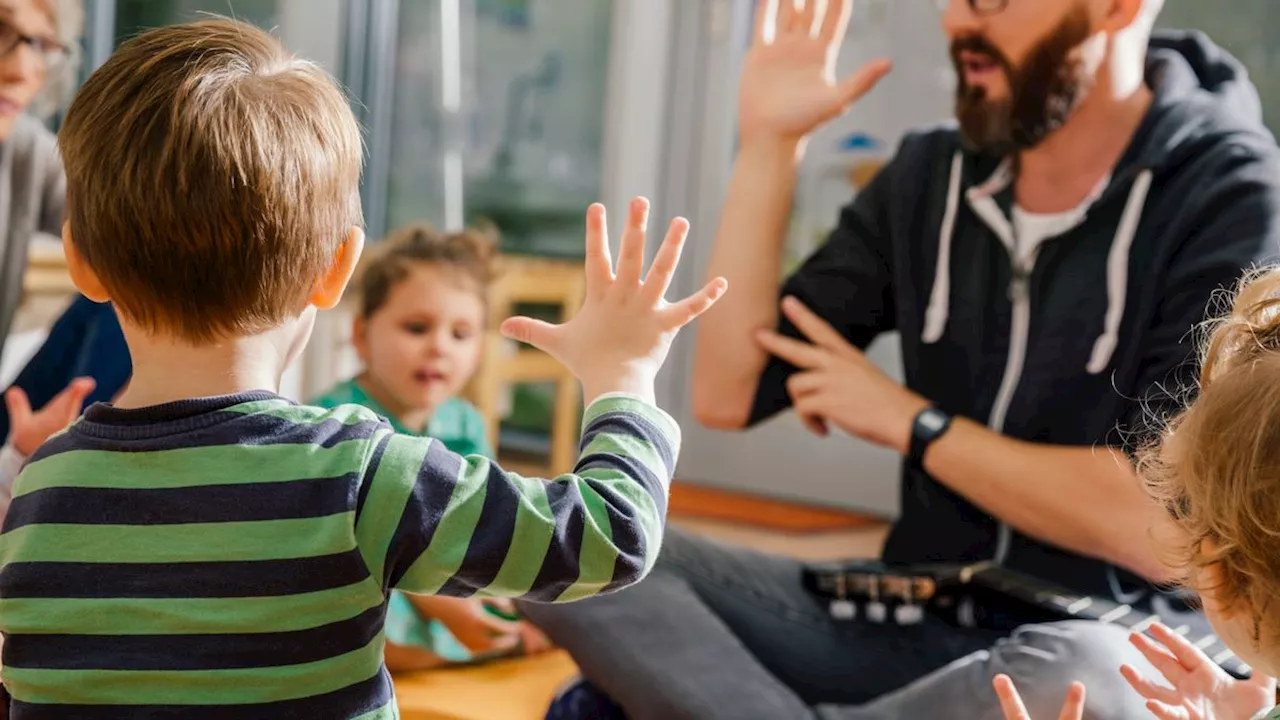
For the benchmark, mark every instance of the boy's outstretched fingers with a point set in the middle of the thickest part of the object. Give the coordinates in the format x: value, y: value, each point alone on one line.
x: 538, y: 333
x: 631, y: 252
x: 685, y: 311
x: 665, y: 261
x: 599, y: 263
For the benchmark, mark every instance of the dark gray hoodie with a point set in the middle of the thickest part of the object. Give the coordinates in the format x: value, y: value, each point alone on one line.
x: 1064, y: 349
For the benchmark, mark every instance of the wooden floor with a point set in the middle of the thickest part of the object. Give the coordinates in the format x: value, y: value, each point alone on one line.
x: 521, y: 689
x: 776, y: 526
x: 863, y: 542
x: 708, y: 503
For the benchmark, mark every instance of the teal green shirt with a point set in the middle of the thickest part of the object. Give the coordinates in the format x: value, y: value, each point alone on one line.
x: 456, y: 423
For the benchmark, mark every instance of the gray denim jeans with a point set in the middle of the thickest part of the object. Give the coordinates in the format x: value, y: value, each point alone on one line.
x: 722, y: 632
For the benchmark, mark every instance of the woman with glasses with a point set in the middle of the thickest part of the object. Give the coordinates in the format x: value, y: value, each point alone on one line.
x: 39, y: 40
x: 37, y: 44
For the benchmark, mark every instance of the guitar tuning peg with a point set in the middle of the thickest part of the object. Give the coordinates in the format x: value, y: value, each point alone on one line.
x: 908, y: 614
x: 876, y: 611
x: 843, y: 610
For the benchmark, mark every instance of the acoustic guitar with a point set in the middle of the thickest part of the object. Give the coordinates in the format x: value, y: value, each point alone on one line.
x: 987, y: 595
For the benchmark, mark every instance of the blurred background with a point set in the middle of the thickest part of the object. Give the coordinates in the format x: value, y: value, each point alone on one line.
x: 522, y: 112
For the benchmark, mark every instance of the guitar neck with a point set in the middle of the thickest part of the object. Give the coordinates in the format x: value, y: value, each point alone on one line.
x: 1035, y: 592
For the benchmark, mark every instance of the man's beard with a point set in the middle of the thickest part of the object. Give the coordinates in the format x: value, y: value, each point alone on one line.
x: 1043, y: 92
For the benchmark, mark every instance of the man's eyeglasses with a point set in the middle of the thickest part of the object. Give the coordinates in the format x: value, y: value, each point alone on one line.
x: 979, y: 7
x: 51, y: 52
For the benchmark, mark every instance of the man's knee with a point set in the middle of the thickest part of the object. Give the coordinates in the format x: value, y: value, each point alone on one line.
x: 1043, y: 661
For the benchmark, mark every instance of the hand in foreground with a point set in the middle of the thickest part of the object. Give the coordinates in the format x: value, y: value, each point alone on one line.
x: 1201, y: 690
x: 788, y: 85
x: 837, y: 384
x: 620, y: 338
x: 1011, y: 703
x: 28, y: 430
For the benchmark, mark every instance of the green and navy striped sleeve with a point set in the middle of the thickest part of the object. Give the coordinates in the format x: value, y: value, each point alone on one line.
x: 431, y: 521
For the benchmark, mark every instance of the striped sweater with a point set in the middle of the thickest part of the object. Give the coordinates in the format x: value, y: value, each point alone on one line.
x: 231, y: 557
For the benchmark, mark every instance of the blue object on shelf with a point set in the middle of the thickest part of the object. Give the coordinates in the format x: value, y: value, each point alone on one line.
x: 858, y: 141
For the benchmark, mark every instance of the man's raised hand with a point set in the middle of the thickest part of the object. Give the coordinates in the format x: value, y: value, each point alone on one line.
x: 788, y: 85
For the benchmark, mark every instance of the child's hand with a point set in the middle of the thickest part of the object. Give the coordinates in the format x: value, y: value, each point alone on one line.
x: 1011, y: 703
x: 619, y: 339
x: 28, y: 430
x: 1201, y: 690
x: 479, y: 630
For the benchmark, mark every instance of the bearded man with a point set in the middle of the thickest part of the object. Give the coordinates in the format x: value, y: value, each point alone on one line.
x: 1046, y: 260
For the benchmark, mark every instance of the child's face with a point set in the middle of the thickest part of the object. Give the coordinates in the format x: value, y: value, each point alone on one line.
x: 422, y: 346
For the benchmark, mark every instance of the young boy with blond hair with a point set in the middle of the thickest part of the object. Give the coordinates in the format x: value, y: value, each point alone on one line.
x: 207, y: 548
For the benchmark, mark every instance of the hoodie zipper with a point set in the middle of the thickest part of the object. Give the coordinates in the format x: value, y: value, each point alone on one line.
x: 1019, y: 335
x: 1020, y: 329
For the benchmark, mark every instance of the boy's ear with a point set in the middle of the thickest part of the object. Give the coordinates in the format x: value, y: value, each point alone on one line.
x: 328, y: 290
x: 82, y: 276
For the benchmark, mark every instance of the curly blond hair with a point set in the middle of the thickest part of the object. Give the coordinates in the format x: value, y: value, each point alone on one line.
x: 1216, y: 466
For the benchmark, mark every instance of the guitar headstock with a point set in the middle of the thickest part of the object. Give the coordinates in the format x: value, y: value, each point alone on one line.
x: 879, y: 591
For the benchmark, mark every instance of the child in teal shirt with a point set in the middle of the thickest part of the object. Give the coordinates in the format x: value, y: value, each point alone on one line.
x: 420, y: 335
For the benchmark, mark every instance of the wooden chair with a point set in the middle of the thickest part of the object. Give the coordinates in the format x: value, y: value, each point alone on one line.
x: 537, y: 281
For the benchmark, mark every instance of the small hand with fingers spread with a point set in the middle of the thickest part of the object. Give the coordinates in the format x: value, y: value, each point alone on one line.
x: 1013, y: 709
x: 1201, y: 690
x: 29, y: 429
x: 620, y: 337
x: 788, y: 85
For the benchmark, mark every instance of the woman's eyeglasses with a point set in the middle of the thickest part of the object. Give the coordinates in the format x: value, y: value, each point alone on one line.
x: 51, y: 52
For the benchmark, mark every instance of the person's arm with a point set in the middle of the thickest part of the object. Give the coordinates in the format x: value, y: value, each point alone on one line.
x: 436, y: 522
x: 786, y: 91
x: 1089, y: 500
x: 747, y: 251
x: 847, y: 281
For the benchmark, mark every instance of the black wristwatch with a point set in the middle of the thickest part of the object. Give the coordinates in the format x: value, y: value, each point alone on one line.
x: 929, y: 424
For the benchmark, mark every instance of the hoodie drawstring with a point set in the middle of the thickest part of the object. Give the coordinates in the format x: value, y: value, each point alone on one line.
x: 1118, y: 274
x: 935, y: 317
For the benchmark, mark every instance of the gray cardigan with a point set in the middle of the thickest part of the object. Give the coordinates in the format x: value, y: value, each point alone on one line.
x: 32, y: 196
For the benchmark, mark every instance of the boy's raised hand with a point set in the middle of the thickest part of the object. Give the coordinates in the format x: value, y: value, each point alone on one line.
x: 619, y: 339
x: 1201, y: 690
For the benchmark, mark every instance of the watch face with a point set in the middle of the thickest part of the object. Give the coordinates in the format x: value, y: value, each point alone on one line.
x: 932, y: 420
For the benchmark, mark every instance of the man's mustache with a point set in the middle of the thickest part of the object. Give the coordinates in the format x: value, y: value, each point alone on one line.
x: 979, y: 46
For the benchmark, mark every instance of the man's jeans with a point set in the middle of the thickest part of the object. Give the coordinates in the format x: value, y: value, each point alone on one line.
x: 721, y: 632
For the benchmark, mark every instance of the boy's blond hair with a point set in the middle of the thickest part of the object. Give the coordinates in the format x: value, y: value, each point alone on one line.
x: 1216, y: 468
x: 211, y: 177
